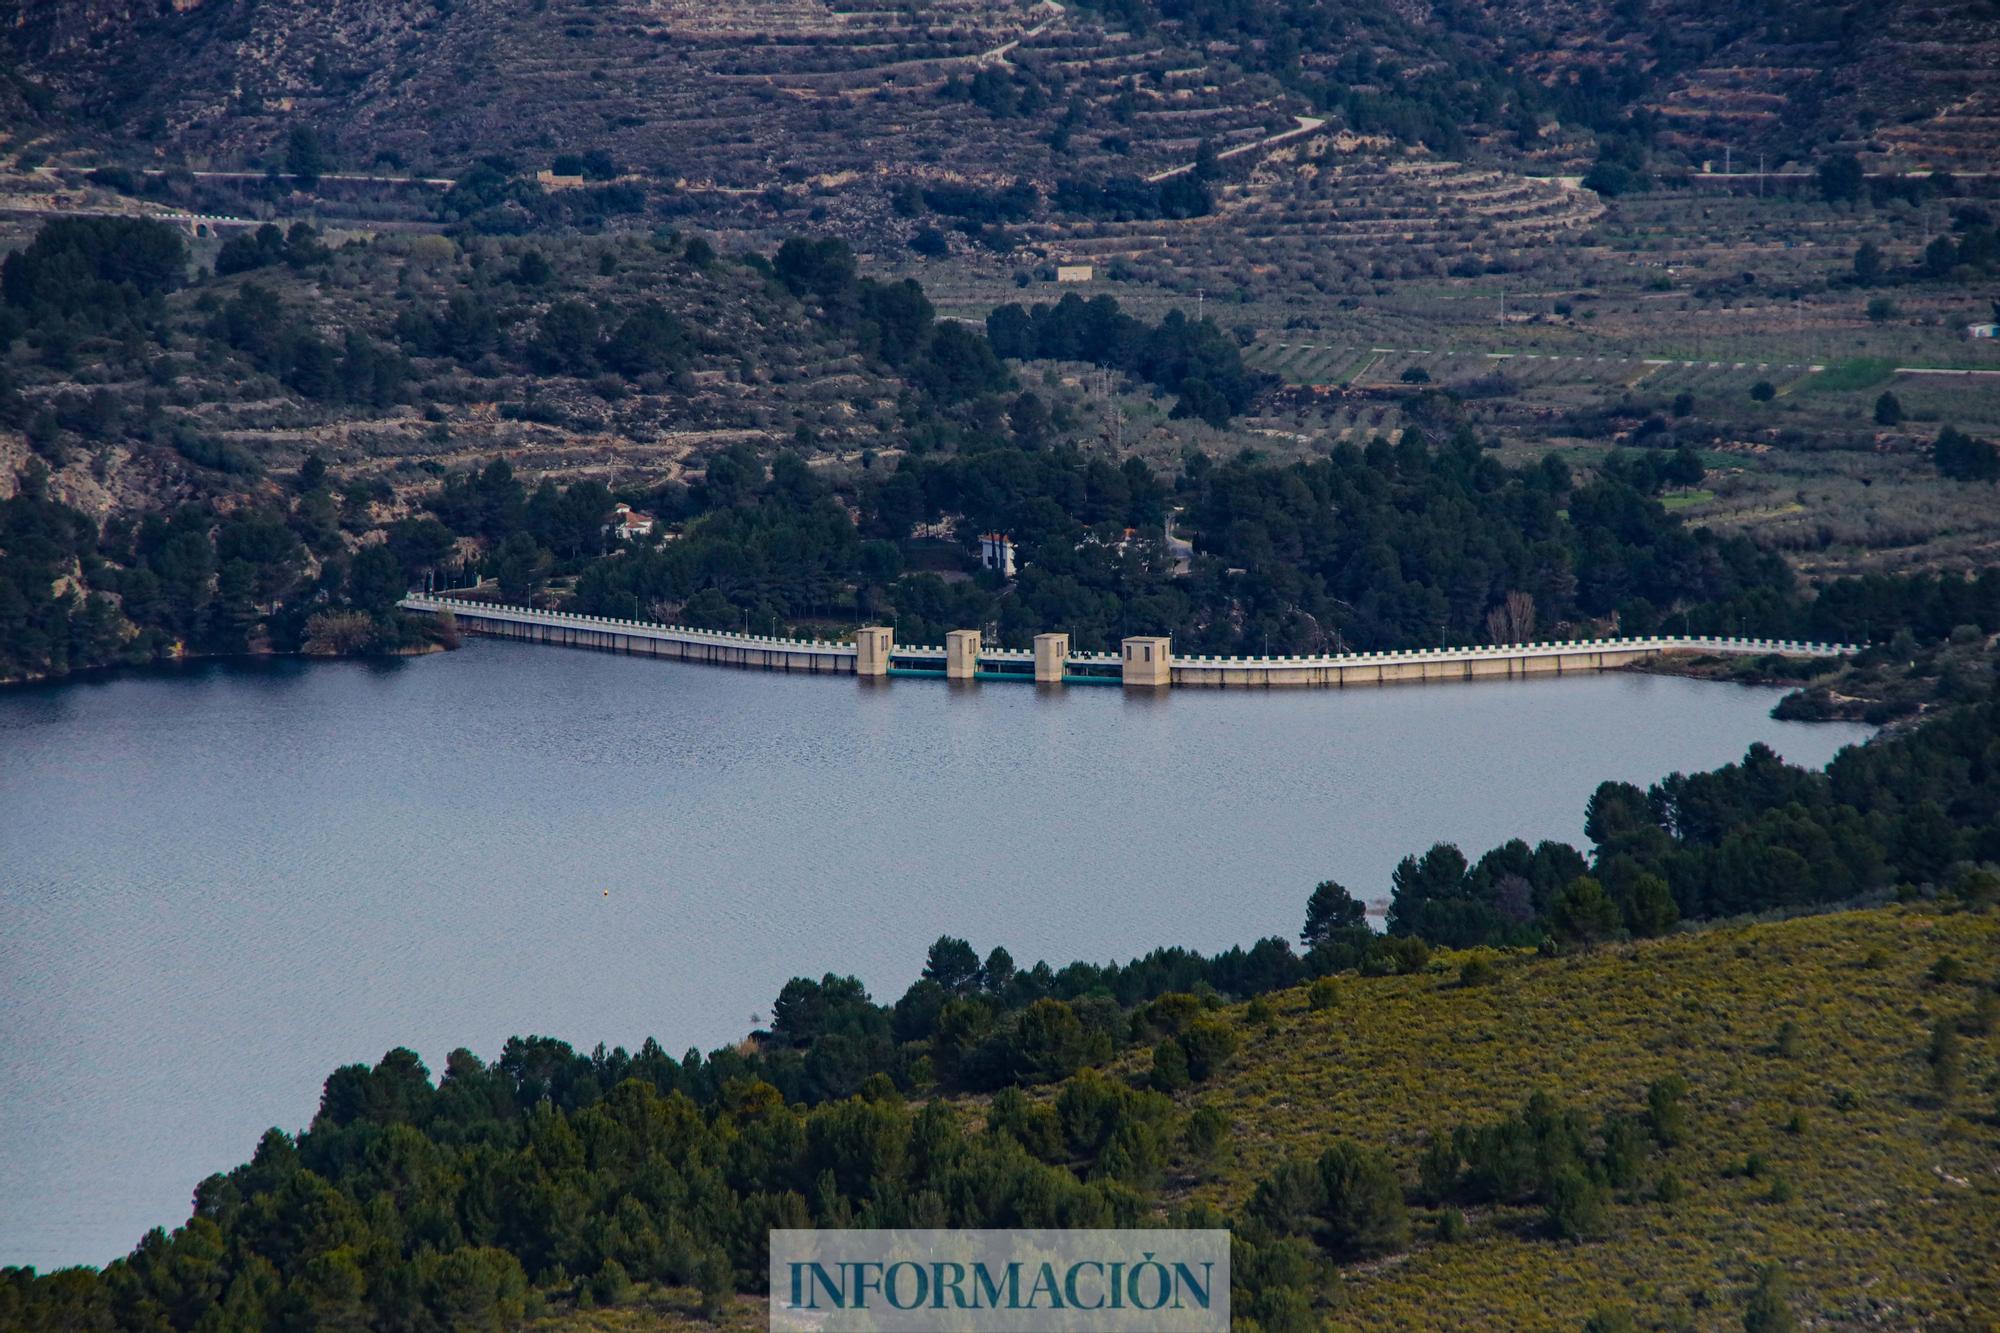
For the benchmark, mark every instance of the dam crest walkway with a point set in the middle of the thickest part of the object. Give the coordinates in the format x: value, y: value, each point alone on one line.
x: 1141, y: 661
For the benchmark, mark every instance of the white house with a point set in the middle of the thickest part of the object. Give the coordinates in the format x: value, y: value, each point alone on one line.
x: 996, y: 551
x: 628, y: 523
x: 1982, y: 330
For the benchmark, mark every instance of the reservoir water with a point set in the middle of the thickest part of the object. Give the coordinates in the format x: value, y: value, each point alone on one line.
x: 219, y: 883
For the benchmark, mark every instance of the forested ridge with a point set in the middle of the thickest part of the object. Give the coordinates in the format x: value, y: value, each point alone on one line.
x: 1388, y: 546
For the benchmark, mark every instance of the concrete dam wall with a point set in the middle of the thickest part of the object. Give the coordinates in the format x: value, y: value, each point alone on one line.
x: 1141, y: 662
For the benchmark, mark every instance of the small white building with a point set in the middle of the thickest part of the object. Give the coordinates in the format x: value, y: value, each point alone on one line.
x: 627, y: 523
x: 1982, y: 330
x: 1074, y: 273
x: 996, y: 551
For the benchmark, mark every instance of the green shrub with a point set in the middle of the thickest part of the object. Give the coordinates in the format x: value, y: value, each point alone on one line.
x: 1437, y: 1167
x: 612, y: 1285
x: 1769, y: 1310
x: 1323, y: 994
x: 716, y: 1282
x: 1134, y: 1156
x: 1034, y: 1125
x: 1578, y: 1206
x: 1395, y: 955
x: 1208, y: 1044
x: 1172, y: 1013
x: 1583, y: 914
x: 1978, y: 888
x: 1478, y: 972
x: 1624, y: 1151
x: 1207, y: 1134
x: 1984, y: 1015
x: 1451, y: 1226
x: 1947, y: 1061
x: 1664, y: 1111
x: 1362, y: 1202
x: 1170, y: 1068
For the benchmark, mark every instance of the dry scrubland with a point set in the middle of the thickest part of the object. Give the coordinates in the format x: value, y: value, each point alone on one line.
x: 1894, y: 1204
x: 1804, y: 1046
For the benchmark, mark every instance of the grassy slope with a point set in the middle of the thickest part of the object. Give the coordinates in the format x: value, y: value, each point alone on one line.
x: 1895, y: 1212
x: 1873, y: 1233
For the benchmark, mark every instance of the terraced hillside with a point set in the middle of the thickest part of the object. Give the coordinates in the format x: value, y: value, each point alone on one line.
x: 738, y: 94
x: 1906, y: 86
x: 1336, y: 210
x: 750, y: 93
x: 1909, y: 84
x: 1784, y: 78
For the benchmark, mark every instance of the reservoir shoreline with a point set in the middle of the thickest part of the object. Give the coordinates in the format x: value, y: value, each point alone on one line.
x: 226, y: 879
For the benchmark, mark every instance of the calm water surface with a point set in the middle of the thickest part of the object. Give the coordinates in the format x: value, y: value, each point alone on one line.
x: 219, y: 884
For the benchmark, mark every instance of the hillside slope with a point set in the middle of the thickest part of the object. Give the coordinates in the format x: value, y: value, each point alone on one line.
x: 741, y: 94
x: 1913, y: 84
x: 1896, y: 1201
x: 1881, y: 1205
x: 745, y: 94
x: 719, y: 355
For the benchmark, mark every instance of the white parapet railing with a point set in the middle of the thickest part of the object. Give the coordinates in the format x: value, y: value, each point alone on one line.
x: 1562, y: 648
x: 764, y: 650
x: 637, y: 629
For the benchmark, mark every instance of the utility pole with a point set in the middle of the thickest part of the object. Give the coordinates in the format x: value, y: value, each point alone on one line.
x: 1760, y: 175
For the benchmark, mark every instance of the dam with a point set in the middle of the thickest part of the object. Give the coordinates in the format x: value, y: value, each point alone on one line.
x: 1143, y: 661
